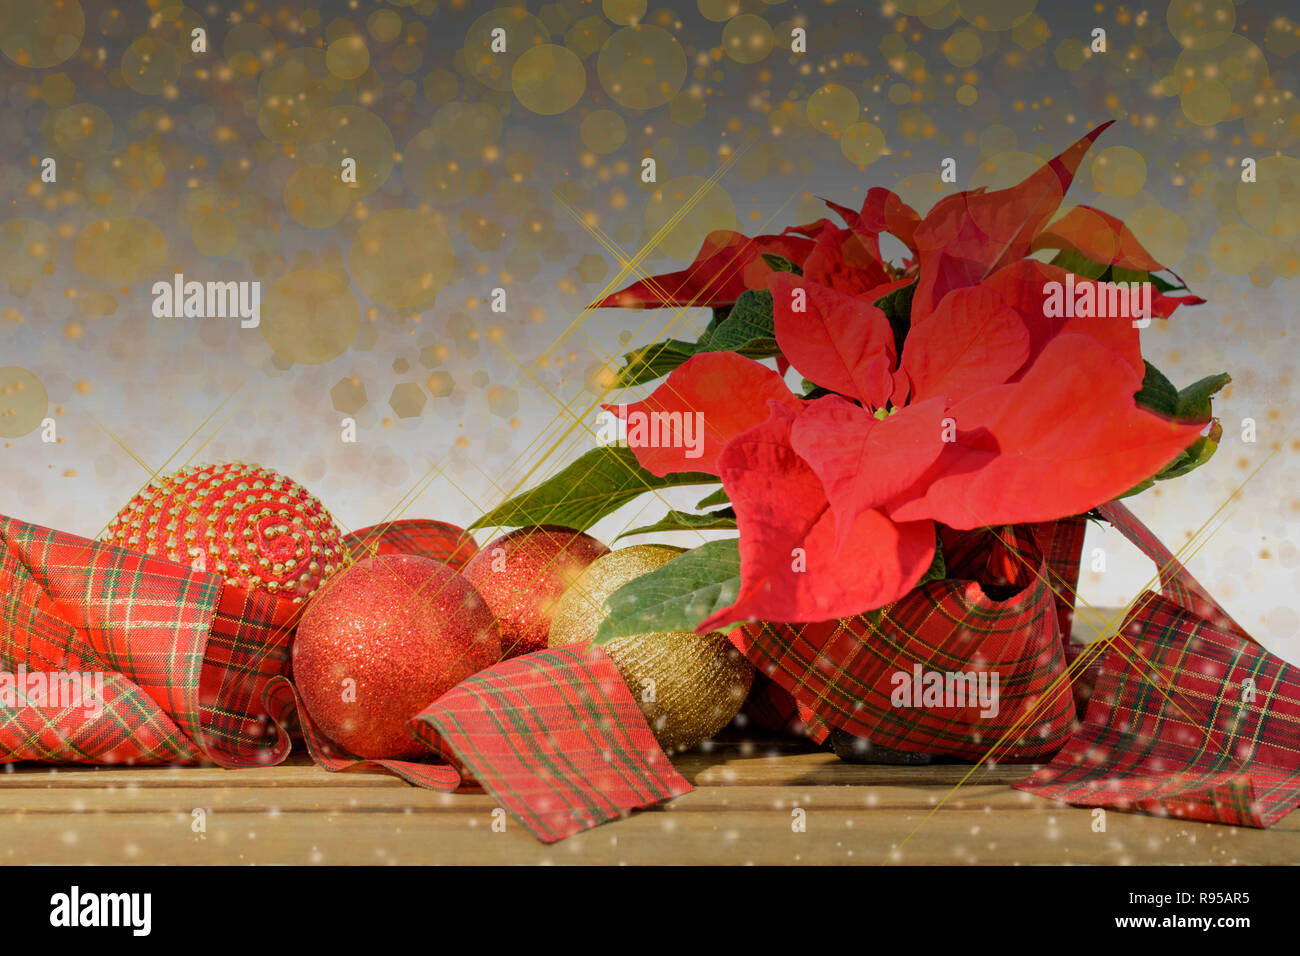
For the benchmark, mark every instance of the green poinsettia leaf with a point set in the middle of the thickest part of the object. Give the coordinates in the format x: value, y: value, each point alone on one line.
x: 1139, y: 488
x: 1194, y: 401
x: 656, y: 361
x: 781, y: 264
x: 1191, y: 404
x: 720, y: 314
x: 746, y: 328
x: 677, y: 596
x: 685, y: 521
x: 1082, y: 266
x: 1079, y: 264
x: 938, y: 569
x: 1157, y: 393
x: 812, y: 390
x: 897, y: 307
x: 1129, y: 275
x: 597, y: 484
x: 653, y: 361
x: 1197, y: 454
x: 750, y: 319
x: 718, y: 497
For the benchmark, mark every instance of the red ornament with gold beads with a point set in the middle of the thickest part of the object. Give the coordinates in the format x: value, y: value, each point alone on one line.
x: 254, y: 527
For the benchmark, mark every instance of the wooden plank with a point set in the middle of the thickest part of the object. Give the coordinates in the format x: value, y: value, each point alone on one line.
x: 146, y: 816
x: 183, y: 800
x: 825, y: 769
x: 813, y: 767
x: 681, y: 834
x: 297, y: 771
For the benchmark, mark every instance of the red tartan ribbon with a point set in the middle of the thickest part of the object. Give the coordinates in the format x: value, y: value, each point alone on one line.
x: 1190, y: 717
x: 189, y: 669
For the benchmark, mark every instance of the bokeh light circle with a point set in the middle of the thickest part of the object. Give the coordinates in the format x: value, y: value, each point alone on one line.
x: 1163, y: 233
x: 641, y: 67
x: 1271, y: 204
x: 121, y: 249
x: 603, y: 131
x: 712, y: 209
x: 353, y: 132
x: 863, y: 143
x: 548, y: 79
x: 523, y: 31
x: 248, y: 47
x: 623, y: 12
x: 347, y: 57
x: 28, y: 249
x: 310, y: 316
x: 995, y: 14
x: 23, y: 402
x: 316, y: 197
x: 40, y: 33
x: 466, y: 129
x: 1224, y: 82
x: 832, y: 108
x: 402, y: 258
x: 1236, y: 249
x: 149, y: 65
x: 81, y: 129
x: 718, y: 10
x: 1119, y: 171
x: 1201, y: 24
x: 747, y: 38
x: 293, y: 93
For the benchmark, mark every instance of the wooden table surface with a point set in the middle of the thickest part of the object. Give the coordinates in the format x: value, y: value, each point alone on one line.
x: 742, y: 811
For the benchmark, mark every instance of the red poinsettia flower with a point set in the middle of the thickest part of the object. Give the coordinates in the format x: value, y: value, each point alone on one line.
x: 992, y: 417
x: 1004, y: 407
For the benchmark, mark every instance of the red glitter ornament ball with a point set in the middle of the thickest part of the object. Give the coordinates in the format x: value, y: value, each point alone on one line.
x: 522, y: 575
x: 384, y: 640
x: 252, y: 526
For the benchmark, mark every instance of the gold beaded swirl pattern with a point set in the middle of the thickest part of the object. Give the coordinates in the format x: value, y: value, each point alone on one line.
x: 254, y: 527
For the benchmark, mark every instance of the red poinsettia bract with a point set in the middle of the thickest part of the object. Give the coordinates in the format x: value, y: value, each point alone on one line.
x: 1000, y: 410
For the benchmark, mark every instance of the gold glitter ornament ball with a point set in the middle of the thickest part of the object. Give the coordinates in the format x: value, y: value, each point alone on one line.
x: 688, y: 685
x: 254, y: 527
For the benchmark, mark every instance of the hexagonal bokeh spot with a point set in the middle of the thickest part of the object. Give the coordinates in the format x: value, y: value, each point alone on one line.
x: 592, y: 268
x: 440, y: 384
x: 431, y: 356
x: 502, y: 402
x: 349, y: 395
x: 401, y: 366
x: 408, y: 400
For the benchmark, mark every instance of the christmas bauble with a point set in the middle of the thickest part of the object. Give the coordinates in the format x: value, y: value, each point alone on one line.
x: 522, y: 574
x: 384, y: 640
x: 689, y: 686
x: 252, y: 526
